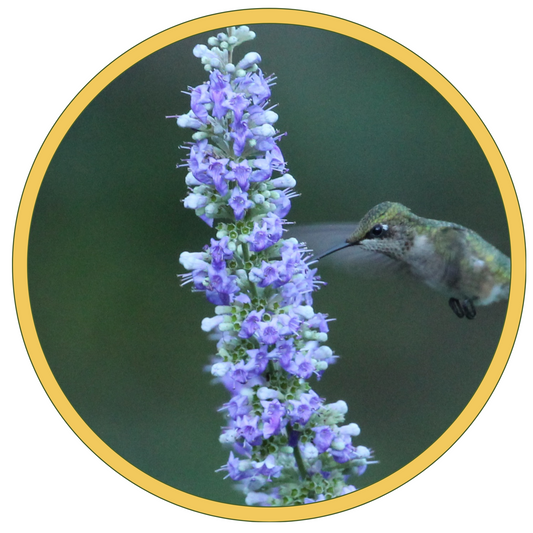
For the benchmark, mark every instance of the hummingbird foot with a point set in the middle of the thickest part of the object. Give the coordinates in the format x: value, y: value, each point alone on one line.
x: 464, y: 308
x: 469, y: 309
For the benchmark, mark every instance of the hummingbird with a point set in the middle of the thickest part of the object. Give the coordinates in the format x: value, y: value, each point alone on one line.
x: 450, y: 258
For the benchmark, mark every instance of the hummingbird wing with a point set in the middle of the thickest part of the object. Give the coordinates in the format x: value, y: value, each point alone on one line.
x: 320, y: 238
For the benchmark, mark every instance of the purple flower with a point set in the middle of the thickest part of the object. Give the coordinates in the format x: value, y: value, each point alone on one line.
x: 232, y: 467
x: 319, y: 321
x: 248, y: 428
x: 289, y: 323
x: 272, y: 160
x: 220, y: 253
x: 240, y: 133
x: 264, y: 137
x: 274, y: 227
x: 272, y: 417
x: 221, y: 281
x: 264, y: 275
x: 304, y: 407
x: 342, y: 449
x: 260, y: 116
x: 282, y: 203
x: 284, y: 352
x: 258, y: 359
x: 200, y: 97
x: 259, y: 239
x: 265, y: 234
x: 218, y: 91
x: 217, y: 172
x: 258, y: 87
x: 268, y: 332
x: 269, y: 340
x: 237, y: 103
x: 240, y: 172
x: 250, y: 324
x: 198, y: 161
x: 239, y: 372
x: 301, y: 366
x: 239, y: 202
x: 323, y: 438
x: 268, y: 467
x: 237, y: 406
x: 222, y: 286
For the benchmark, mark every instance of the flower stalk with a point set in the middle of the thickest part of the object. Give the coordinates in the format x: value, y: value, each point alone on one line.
x: 288, y: 446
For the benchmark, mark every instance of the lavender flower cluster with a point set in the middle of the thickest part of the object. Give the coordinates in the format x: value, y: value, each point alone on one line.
x: 288, y: 445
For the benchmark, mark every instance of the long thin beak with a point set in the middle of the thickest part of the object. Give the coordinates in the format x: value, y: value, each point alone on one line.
x: 335, y: 249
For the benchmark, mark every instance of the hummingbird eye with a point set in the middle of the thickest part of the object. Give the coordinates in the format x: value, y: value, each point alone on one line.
x: 379, y: 230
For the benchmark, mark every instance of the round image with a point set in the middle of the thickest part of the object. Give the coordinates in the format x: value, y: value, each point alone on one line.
x: 269, y: 265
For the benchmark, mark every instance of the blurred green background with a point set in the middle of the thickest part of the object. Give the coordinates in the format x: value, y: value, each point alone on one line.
x: 123, y: 338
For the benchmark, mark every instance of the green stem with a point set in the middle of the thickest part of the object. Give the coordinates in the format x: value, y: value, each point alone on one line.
x: 298, y: 456
x: 246, y: 257
x: 245, y: 251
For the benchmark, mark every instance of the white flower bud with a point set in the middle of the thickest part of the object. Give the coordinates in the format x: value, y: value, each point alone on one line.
x: 324, y: 352
x: 258, y: 199
x: 265, y: 130
x: 350, y: 429
x: 309, y: 451
x: 211, y: 209
x: 195, y: 201
x: 200, y: 50
x: 191, y: 181
x: 284, y: 181
x: 223, y: 309
x: 200, y: 135
x: 320, y: 366
x: 363, y: 452
x: 193, y: 260
x: 188, y: 121
x: 270, y: 116
x: 220, y: 369
x: 340, y: 407
x: 250, y: 59
x: 338, y: 444
x: 305, y: 311
x: 228, y: 437
x: 264, y: 393
x: 209, y: 324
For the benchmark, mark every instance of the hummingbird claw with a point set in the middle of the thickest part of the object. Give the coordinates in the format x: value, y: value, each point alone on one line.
x: 464, y: 308
x: 456, y: 306
x: 469, y: 309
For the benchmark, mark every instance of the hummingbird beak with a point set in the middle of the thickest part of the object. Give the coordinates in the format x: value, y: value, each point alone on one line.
x: 335, y: 249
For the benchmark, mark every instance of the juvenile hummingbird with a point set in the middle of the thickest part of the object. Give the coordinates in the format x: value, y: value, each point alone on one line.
x: 450, y: 258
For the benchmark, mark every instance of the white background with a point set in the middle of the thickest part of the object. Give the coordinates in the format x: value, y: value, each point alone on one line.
x: 50, y: 481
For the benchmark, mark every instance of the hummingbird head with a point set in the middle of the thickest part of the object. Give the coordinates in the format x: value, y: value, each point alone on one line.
x: 386, y: 229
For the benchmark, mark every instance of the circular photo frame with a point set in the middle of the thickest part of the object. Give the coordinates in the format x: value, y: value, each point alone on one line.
x: 116, y: 341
